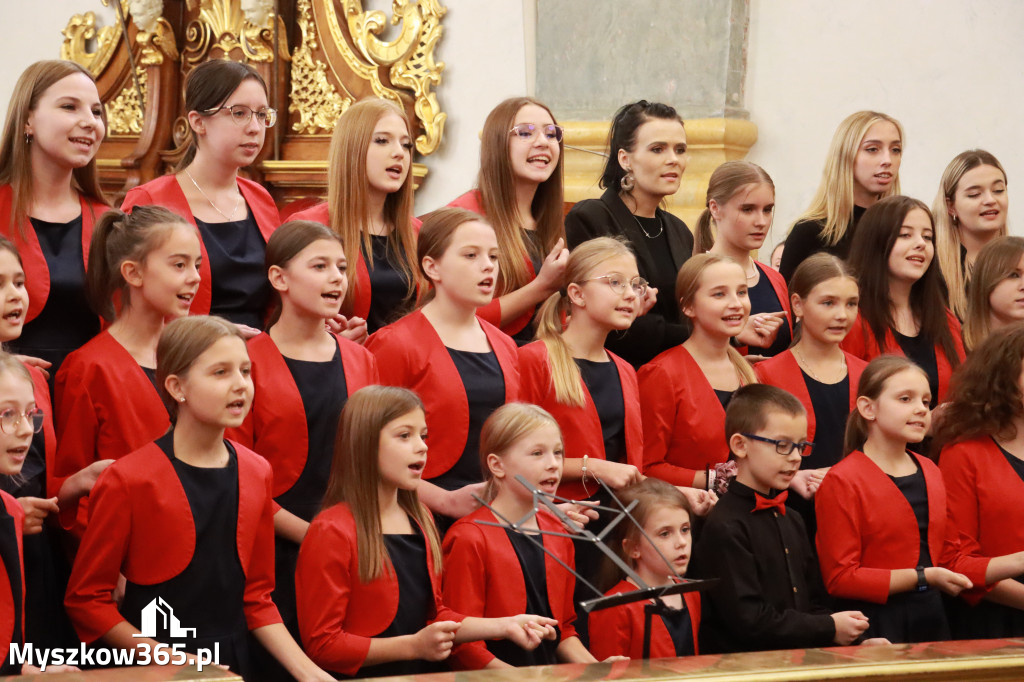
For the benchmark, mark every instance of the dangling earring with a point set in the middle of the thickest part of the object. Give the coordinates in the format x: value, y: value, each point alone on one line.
x: 28, y: 138
x: 627, y: 182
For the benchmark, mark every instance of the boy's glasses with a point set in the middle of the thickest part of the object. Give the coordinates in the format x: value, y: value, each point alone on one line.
x: 528, y: 131
x: 618, y: 283
x: 10, y: 419
x: 784, y: 446
x: 242, y: 114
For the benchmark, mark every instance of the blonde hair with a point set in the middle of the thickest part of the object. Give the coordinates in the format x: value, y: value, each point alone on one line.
x: 503, y: 429
x: 814, y: 270
x: 996, y: 261
x: 497, y: 185
x: 583, y: 261
x: 725, y: 183
x: 181, y: 343
x: 15, y: 153
x: 349, y: 197
x: 947, y: 230
x: 688, y: 282
x: 355, y: 474
x: 834, y: 201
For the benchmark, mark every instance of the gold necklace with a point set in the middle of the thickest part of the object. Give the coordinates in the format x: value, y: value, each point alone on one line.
x: 802, y: 361
x: 229, y: 218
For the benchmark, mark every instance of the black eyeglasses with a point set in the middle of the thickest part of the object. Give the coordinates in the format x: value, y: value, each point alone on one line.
x: 784, y: 446
x: 242, y: 114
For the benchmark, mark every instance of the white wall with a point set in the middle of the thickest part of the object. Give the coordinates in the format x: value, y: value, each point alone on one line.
x: 949, y: 71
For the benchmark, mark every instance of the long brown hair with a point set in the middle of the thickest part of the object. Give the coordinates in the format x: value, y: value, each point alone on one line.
x: 725, y: 183
x: 348, y: 194
x: 435, y: 237
x: 996, y: 261
x: 498, y: 193
x: 355, y: 474
x: 15, y: 157
x: 286, y: 243
x: 871, y: 384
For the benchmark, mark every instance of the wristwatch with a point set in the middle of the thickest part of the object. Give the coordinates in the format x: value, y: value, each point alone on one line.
x: 922, y: 584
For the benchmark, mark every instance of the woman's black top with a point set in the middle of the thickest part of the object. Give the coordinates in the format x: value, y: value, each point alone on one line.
x: 485, y: 390
x: 763, y: 299
x: 805, y: 240
x: 324, y: 394
x: 915, y: 490
x: 723, y: 397
x: 831, y: 405
x: 238, y: 281
x: 389, y: 286
x: 534, y: 251
x: 922, y: 351
x: 602, y: 381
x: 66, y: 322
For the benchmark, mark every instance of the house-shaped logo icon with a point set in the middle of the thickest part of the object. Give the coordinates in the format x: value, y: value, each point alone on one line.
x: 159, y: 611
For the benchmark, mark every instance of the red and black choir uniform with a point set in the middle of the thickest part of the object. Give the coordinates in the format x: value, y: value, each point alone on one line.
x: 233, y: 280
x: 107, y: 407
x: 521, y: 328
x: 984, y: 486
x: 54, y: 255
x: 198, y: 539
x: 293, y: 424
x: 380, y: 291
x: 459, y: 389
x: 770, y: 593
x: 339, y: 614
x: 683, y: 418
x: 493, y: 572
x: 12, y: 581
x: 827, y: 405
x: 619, y: 631
x: 770, y: 295
x: 878, y: 523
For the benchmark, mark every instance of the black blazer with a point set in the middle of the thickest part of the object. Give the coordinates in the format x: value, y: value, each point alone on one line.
x: 661, y: 328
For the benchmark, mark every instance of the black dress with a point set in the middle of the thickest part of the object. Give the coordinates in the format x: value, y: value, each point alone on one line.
x: 240, y: 290
x: 805, y: 240
x: 389, y: 286
x: 763, y: 299
x: 9, y: 556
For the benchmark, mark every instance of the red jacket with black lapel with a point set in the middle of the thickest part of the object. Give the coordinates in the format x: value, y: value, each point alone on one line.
x: 7, y: 611
x: 581, y: 426
x: 619, y: 631
x: 141, y: 526
x: 410, y: 354
x: 778, y: 284
x: 165, y: 191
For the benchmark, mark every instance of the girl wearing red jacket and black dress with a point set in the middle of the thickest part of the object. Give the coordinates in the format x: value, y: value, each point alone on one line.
x: 228, y: 117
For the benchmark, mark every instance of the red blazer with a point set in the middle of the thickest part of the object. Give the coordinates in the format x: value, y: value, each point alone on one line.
x: 619, y: 631
x: 482, y: 576
x: 581, y: 426
x: 276, y: 424
x: 7, y: 615
x: 338, y: 613
x: 141, y: 526
x: 165, y: 191
x: 983, y: 494
x: 37, y: 274
x: 473, y: 201
x: 41, y: 393
x: 784, y: 372
x: 363, y: 288
x: 106, y: 408
x: 684, y: 423
x: 778, y: 283
x: 410, y: 353
x: 861, y: 342
x: 866, y: 528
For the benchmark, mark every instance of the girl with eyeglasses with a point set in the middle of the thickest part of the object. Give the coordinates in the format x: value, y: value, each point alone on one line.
x: 520, y: 193
x: 228, y: 117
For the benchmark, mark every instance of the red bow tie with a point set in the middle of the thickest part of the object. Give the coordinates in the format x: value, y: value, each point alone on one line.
x: 778, y: 502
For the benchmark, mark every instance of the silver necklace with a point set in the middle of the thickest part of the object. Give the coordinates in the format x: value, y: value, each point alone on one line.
x: 229, y: 218
x: 803, y: 363
x: 661, y: 227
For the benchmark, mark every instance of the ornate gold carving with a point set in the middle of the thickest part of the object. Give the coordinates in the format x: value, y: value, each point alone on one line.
x: 222, y: 25
x: 313, y: 98
x: 420, y: 73
x: 81, y: 28
x: 124, y: 112
x: 157, y: 45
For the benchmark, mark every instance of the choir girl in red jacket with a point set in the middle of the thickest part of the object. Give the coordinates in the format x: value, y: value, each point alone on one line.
x: 369, y: 571
x: 740, y: 207
x: 664, y: 513
x: 520, y: 193
x: 885, y: 542
x: 143, y: 271
x: 50, y: 197
x: 995, y: 298
x: 228, y: 116
x: 902, y: 307
x: 981, y: 436
x: 461, y: 366
x: 493, y: 572
x: 369, y: 205
x: 302, y: 376
x: 684, y: 390
x: 188, y: 519
x: 816, y: 370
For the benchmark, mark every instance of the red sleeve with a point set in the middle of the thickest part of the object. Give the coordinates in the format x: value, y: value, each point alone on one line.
x: 390, y: 354
x: 961, y: 478
x: 955, y: 556
x: 327, y: 566
x: 658, y: 399
x: 491, y: 312
x: 840, y: 547
x: 259, y: 578
x: 855, y: 342
x: 611, y: 632
x: 465, y: 585
x: 77, y: 429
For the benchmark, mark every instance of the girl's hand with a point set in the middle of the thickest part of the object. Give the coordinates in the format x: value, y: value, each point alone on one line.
x: 614, y: 474
x: 85, y: 479
x: 553, y: 268
x: 806, y: 482
x: 352, y: 328
x: 849, y: 626
x: 581, y: 514
x: 701, y: 501
x: 528, y: 631
x: 761, y: 329
x: 247, y: 332
x: 36, y: 511
x: 615, y: 659
x: 874, y: 641
x: 461, y: 502
x: 38, y: 363
x: 29, y: 669
x: 949, y: 582
x: 434, y: 642
x: 649, y: 299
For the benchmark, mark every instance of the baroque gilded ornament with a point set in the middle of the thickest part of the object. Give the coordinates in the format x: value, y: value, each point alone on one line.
x: 80, y: 30
x: 124, y: 112
x: 313, y: 98
x: 224, y: 25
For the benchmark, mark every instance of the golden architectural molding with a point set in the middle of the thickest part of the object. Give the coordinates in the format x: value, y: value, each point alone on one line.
x: 81, y: 29
x: 157, y: 45
x: 124, y: 112
x: 313, y: 97
x: 222, y: 25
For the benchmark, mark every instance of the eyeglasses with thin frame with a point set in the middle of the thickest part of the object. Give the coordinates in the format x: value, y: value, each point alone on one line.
x: 11, y: 418
x: 784, y: 446
x: 529, y: 131
x: 618, y: 284
x: 242, y: 114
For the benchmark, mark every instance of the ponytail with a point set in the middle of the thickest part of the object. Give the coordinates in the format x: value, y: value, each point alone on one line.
x: 703, y: 237
x: 565, y: 374
x: 743, y: 368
